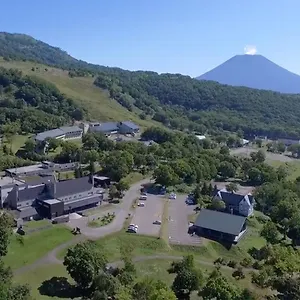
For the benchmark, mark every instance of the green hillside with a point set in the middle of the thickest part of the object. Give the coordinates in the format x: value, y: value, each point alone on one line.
x: 82, y: 90
x: 177, y: 101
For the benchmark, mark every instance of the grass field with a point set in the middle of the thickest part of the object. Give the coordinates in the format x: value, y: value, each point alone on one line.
x: 83, y: 91
x: 154, y: 268
x: 29, y: 248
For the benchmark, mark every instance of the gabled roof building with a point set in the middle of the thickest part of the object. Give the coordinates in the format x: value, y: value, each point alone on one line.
x: 220, y: 226
x: 236, y: 203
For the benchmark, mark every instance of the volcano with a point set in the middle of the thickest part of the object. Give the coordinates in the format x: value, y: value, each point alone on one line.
x: 254, y: 71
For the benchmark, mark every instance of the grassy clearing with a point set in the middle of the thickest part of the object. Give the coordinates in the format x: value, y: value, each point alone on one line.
x: 156, y: 269
x: 293, y: 168
x: 83, y: 91
x: 29, y: 248
x: 17, y: 142
x: 36, y: 277
x: 102, y: 221
x: 135, y: 177
x: 36, y: 224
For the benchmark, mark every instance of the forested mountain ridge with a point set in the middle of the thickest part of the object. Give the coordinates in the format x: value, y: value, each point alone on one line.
x: 183, y: 102
x: 34, y: 104
x: 177, y: 101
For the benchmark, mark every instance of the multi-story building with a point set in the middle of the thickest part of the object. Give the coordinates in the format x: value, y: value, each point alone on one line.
x: 52, y: 199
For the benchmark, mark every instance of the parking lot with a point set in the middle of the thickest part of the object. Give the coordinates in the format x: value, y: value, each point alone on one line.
x: 179, y: 224
x: 145, y: 216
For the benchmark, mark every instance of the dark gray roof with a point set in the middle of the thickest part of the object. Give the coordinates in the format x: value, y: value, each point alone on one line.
x: 31, y: 193
x: 130, y: 124
x: 81, y: 202
x: 49, y: 134
x: 26, y: 212
x: 106, y: 127
x: 73, y: 186
x: 232, y: 198
x: 67, y: 129
x: 219, y: 221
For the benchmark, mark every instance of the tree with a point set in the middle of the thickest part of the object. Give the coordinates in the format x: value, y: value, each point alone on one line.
x: 165, y: 175
x: 113, y: 192
x: 224, y: 150
x: 258, y: 142
x: 218, y: 205
x: 6, y: 222
x: 84, y: 262
x: 149, y: 289
x: 105, y: 284
x: 258, y: 156
x: 227, y: 169
x: 282, y: 172
x: 52, y: 144
x: 270, y: 233
x: 255, y: 176
x: 92, y: 168
x: 185, y: 282
x: 30, y: 145
x: 123, y: 185
x: 288, y: 287
x: 218, y: 287
x: 232, y: 187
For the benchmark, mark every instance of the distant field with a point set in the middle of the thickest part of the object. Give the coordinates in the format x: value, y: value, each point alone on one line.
x: 83, y: 91
x: 274, y: 159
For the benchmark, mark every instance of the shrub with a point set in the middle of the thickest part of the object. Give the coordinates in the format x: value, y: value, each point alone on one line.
x: 238, y: 273
x: 246, y: 262
x: 232, y: 264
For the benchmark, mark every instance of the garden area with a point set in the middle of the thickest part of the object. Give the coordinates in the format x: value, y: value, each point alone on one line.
x: 102, y: 221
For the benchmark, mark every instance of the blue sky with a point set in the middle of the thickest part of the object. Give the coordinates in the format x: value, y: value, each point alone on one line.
x: 176, y: 36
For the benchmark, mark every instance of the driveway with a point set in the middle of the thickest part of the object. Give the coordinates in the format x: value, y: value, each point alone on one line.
x: 145, y: 216
x: 121, y: 211
x: 179, y: 224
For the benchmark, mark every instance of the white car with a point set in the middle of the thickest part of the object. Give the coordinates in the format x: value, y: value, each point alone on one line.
x: 172, y: 196
x: 143, y: 197
x: 141, y: 204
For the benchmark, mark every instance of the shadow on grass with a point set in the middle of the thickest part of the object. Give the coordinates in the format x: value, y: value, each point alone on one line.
x: 59, y: 287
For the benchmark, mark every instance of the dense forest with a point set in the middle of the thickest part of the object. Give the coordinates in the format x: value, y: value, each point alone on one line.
x: 177, y: 101
x: 34, y: 104
x: 184, y: 103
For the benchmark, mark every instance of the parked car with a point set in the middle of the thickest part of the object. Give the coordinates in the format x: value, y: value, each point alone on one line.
x: 157, y: 222
x: 143, y: 197
x: 172, y: 196
x: 144, y: 193
x: 141, y: 204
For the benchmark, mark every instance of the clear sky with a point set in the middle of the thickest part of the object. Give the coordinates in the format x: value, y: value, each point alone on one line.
x: 176, y: 36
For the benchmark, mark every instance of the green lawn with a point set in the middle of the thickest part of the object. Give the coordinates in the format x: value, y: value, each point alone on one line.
x: 135, y: 177
x: 37, y: 276
x: 156, y: 269
x: 17, y: 142
x: 293, y: 168
x: 29, y: 248
x: 36, y: 224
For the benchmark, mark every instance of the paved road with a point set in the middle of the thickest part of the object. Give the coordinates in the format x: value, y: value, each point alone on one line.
x: 92, y: 233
